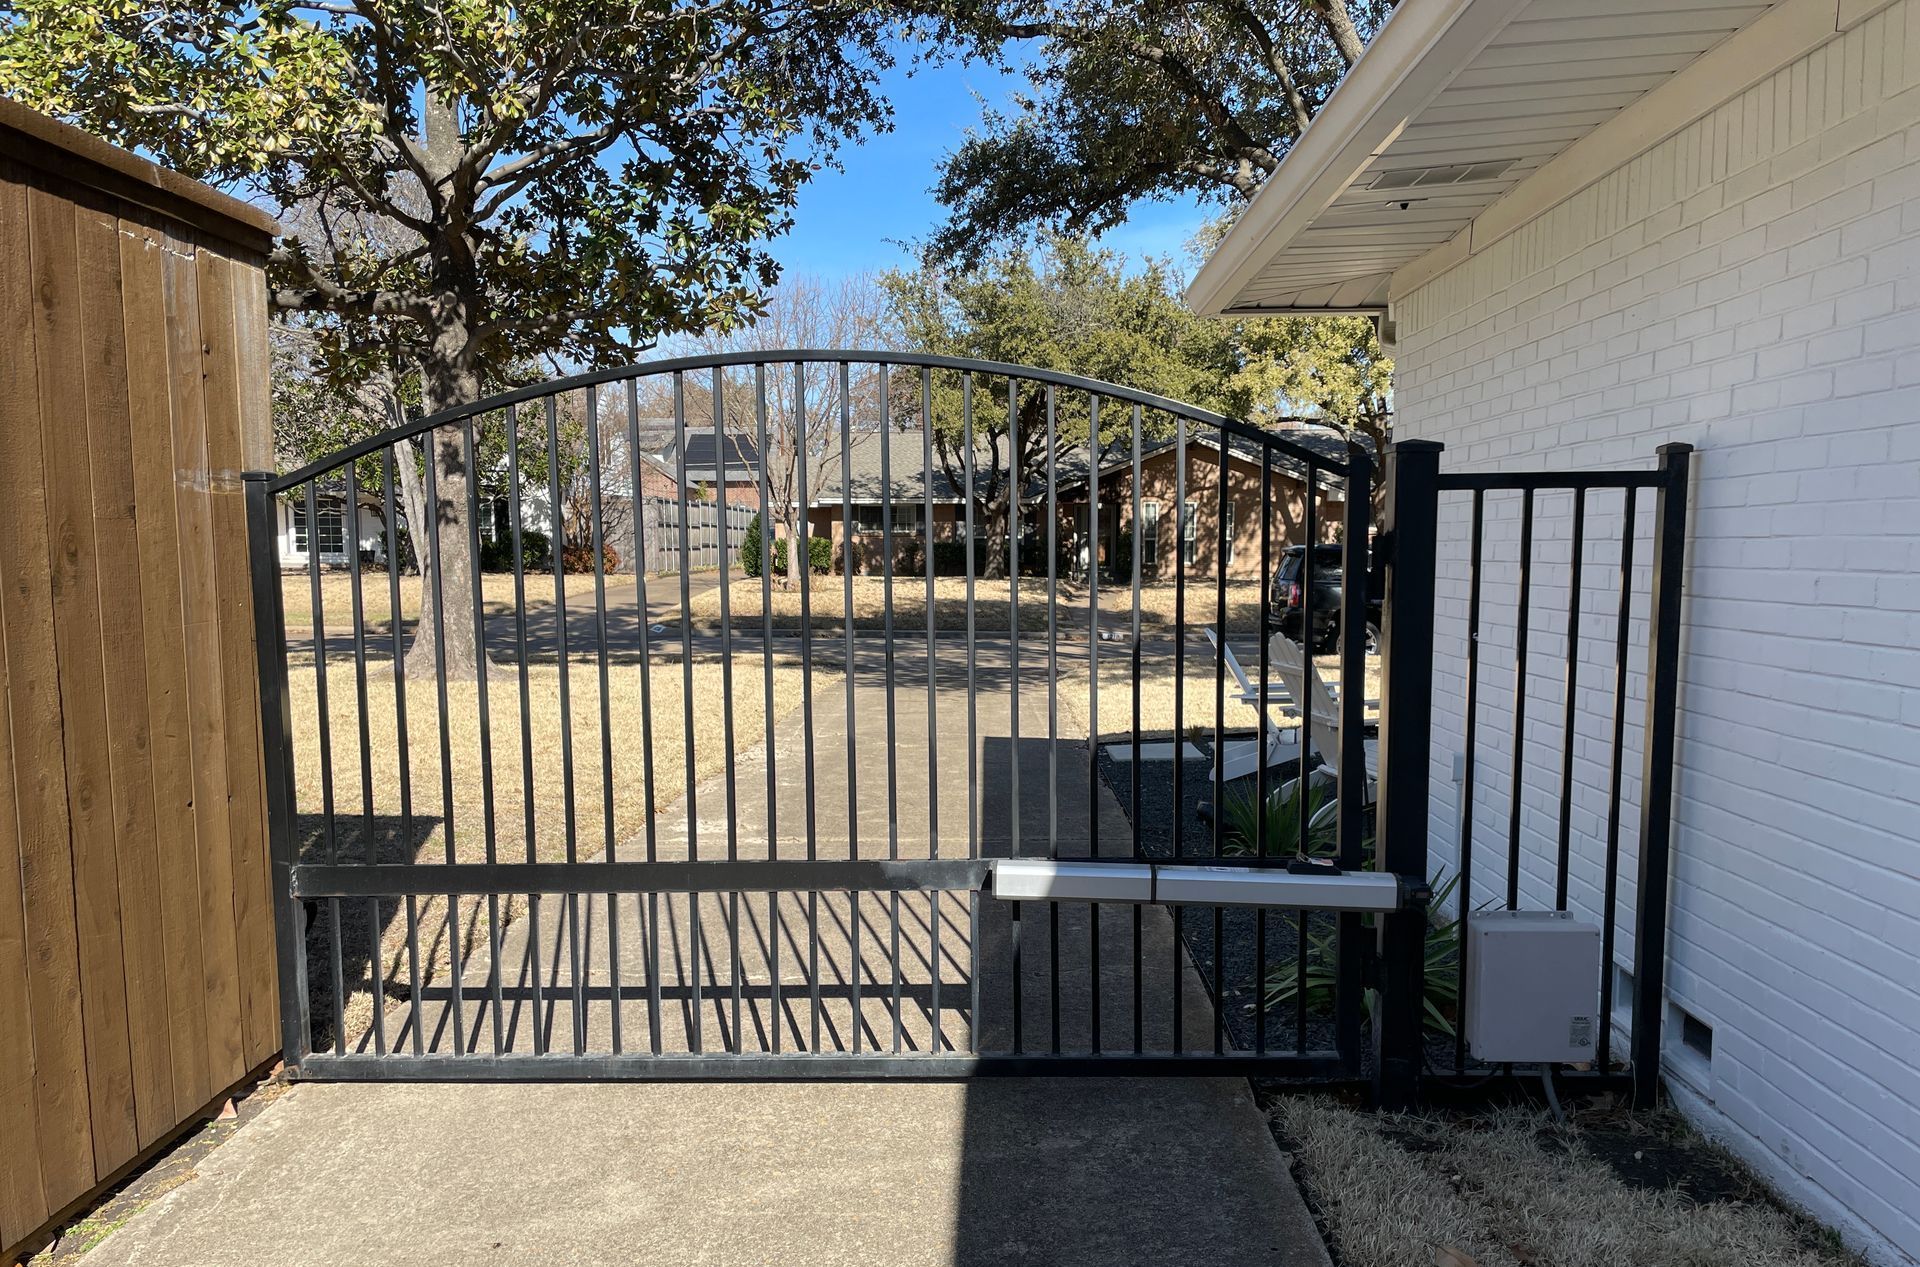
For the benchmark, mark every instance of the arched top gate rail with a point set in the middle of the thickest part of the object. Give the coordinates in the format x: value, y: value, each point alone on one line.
x: 679, y: 727
x: 1330, y: 465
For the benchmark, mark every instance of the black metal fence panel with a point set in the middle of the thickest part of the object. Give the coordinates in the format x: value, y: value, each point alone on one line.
x: 602, y: 790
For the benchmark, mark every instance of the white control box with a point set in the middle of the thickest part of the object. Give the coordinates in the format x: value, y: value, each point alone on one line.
x: 1533, y: 987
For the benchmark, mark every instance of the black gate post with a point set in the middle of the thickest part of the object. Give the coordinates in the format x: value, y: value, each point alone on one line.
x: 276, y: 745
x: 1356, y: 578
x: 1406, y: 722
x: 1656, y: 778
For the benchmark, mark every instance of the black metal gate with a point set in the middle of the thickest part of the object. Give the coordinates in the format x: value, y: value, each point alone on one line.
x: 869, y: 820
x: 849, y: 804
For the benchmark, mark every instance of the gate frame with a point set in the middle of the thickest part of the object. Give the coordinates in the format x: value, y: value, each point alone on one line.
x: 297, y: 884
x: 1413, y: 484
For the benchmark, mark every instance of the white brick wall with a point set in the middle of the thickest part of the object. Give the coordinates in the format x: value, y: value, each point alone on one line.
x: 1751, y: 286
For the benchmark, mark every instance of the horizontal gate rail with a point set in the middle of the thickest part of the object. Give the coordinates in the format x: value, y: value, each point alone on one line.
x: 1521, y: 481
x: 865, y: 875
x: 798, y: 1066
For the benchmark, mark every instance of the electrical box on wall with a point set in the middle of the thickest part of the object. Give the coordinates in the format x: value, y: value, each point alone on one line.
x: 1533, y: 987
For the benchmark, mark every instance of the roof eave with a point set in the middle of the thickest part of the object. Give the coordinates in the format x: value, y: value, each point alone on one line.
x: 1418, y: 50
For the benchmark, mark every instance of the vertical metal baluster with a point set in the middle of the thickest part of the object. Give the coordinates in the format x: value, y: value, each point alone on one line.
x: 721, y: 507
x: 973, y: 743
x: 766, y: 683
x: 1093, y: 708
x: 1013, y: 684
x: 1179, y: 712
x: 933, y: 723
x: 1310, y: 527
x: 1354, y: 789
x: 531, y: 823
x: 641, y: 619
x: 1260, y: 791
x: 376, y: 973
x: 804, y: 451
x: 597, y: 526
x: 1603, y: 1059
x: 1573, y: 678
x: 1468, y: 763
x: 319, y: 636
x: 893, y: 760
x: 401, y: 746
x: 1053, y: 715
x: 446, y: 746
x: 846, y: 625
x: 1133, y: 779
x: 1222, y: 545
x: 699, y: 989
x: 470, y: 451
x: 568, y: 821
x: 1520, y: 698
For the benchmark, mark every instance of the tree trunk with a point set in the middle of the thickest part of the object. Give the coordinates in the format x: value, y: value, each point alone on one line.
x: 796, y: 543
x: 453, y: 570
x: 995, y: 567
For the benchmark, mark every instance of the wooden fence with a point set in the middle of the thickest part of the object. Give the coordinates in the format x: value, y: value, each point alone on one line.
x: 706, y: 524
x: 136, y: 939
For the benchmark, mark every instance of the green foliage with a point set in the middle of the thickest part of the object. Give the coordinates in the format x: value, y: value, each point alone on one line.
x: 1441, y: 1001
x: 820, y: 553
x: 536, y: 553
x: 1284, y: 808
x: 750, y: 548
x: 478, y: 185
x: 1315, y: 798
x: 1128, y: 101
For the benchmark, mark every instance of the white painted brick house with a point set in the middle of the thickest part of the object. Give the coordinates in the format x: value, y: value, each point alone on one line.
x: 1632, y: 222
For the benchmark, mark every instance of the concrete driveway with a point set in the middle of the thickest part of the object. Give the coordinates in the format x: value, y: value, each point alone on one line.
x: 1095, y: 1171
x: 1054, y: 1173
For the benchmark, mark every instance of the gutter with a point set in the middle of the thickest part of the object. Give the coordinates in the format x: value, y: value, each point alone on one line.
x: 1419, y: 50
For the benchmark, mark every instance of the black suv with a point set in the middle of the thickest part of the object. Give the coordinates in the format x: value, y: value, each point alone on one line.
x: 1283, y: 599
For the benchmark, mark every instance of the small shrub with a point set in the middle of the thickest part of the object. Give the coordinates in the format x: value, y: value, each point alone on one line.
x: 579, y: 558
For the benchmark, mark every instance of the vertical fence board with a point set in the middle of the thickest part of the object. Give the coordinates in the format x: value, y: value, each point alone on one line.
x: 39, y: 762
x: 252, y: 916
x: 142, y: 252
x: 73, y: 555
x: 249, y: 287
x: 206, y: 714
x: 123, y: 648
x: 23, y: 1200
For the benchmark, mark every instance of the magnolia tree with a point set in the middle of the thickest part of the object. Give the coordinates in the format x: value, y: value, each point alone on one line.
x: 480, y: 185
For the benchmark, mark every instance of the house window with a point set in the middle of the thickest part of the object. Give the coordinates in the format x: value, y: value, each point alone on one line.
x: 906, y: 518
x: 1150, y: 535
x: 1189, y: 531
x: 333, y: 532
x: 1230, y: 532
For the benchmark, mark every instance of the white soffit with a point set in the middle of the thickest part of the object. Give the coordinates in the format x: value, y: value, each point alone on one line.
x: 1455, y: 104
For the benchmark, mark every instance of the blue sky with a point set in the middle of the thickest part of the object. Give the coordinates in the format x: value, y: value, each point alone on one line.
x: 854, y: 220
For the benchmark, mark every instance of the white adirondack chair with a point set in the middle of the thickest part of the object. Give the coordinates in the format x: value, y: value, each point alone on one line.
x: 1286, y: 661
x: 1280, y: 740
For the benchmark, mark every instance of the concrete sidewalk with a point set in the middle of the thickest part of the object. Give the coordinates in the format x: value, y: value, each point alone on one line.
x: 1046, y: 1172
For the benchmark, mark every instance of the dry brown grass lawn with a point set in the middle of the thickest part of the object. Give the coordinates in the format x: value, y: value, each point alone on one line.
x: 632, y: 794
x: 1511, y: 1189
x: 993, y: 601
x: 336, y: 597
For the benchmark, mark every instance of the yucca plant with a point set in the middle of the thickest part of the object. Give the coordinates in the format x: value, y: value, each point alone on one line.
x: 1442, y: 996
x: 1285, y: 808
